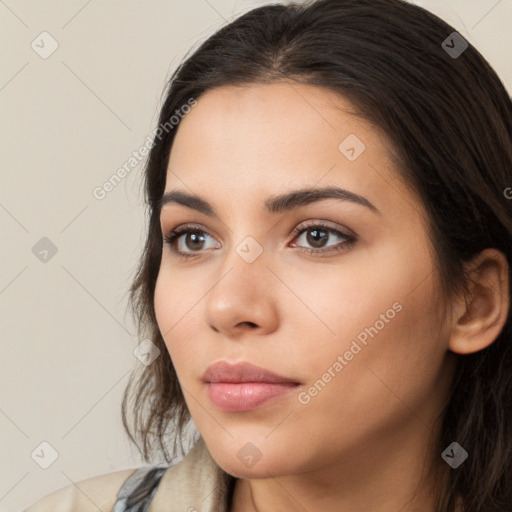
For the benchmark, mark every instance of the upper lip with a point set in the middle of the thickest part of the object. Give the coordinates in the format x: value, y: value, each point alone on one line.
x: 222, y: 371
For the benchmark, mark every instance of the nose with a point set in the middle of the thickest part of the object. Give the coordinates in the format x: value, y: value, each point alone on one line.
x: 243, y: 298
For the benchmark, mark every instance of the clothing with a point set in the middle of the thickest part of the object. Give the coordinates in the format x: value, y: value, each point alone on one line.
x: 130, y: 498
x: 195, y: 484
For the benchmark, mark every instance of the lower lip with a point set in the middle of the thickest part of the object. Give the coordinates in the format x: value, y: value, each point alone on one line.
x: 238, y: 397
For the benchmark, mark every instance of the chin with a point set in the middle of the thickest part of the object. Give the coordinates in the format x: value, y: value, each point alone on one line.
x: 259, y: 470
x: 250, y: 462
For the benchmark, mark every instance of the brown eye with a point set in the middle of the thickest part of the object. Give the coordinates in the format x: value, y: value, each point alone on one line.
x: 193, y: 240
x: 318, y: 237
x: 186, y: 241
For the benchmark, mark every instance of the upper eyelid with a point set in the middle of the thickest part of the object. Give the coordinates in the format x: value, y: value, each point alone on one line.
x: 302, y: 225
x: 321, y: 223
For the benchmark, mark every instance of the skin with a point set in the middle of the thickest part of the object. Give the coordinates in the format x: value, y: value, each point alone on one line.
x: 363, y: 442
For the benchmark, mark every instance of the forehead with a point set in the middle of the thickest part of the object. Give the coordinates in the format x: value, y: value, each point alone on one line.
x: 242, y: 139
x: 274, y: 116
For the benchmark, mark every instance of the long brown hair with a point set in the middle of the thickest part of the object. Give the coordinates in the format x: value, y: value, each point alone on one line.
x: 449, y: 119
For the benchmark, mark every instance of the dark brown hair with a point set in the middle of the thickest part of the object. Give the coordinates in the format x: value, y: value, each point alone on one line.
x: 449, y: 121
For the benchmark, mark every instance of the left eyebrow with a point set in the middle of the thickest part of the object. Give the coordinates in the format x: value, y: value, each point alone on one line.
x: 274, y: 204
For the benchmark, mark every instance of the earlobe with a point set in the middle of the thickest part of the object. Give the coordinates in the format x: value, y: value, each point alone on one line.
x: 478, y: 324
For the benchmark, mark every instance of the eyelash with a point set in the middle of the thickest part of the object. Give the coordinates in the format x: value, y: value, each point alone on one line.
x: 173, y: 235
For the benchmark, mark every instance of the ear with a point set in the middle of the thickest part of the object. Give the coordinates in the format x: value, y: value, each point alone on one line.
x: 478, y: 324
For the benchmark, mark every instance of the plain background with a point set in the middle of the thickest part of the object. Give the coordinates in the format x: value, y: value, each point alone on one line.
x: 68, y: 123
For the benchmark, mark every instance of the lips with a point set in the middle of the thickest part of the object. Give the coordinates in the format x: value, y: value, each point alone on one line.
x: 242, y: 372
x: 243, y: 386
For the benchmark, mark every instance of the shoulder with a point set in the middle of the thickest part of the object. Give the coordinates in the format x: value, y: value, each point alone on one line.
x: 90, y: 495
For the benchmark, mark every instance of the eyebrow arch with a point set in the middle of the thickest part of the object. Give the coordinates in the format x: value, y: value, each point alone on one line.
x: 274, y: 204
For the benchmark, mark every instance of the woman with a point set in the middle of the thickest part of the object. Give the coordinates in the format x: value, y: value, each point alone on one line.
x: 326, y: 273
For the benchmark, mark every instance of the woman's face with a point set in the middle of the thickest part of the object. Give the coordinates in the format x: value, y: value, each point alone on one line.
x: 352, y: 331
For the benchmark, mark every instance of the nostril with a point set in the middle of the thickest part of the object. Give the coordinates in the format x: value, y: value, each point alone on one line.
x: 249, y: 324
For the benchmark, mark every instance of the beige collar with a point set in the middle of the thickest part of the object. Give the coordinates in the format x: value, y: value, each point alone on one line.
x: 195, y: 484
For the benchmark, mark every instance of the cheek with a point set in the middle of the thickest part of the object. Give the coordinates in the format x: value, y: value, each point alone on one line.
x: 392, y: 352
x: 383, y: 296
x: 364, y: 289
x: 174, y: 297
